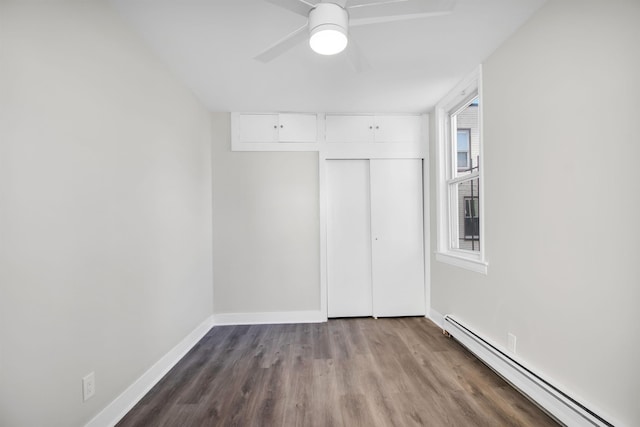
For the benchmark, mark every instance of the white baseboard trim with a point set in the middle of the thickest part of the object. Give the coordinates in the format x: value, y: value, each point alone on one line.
x: 556, y: 402
x: 122, y: 404
x: 269, y: 318
x: 436, y: 317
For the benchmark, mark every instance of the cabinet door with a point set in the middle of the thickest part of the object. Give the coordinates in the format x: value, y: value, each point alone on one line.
x: 258, y: 127
x: 298, y: 128
x: 348, y: 239
x: 341, y: 128
x: 397, y: 129
x: 397, y: 237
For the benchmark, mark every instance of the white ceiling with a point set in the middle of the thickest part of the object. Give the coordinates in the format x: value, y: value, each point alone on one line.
x: 210, y: 45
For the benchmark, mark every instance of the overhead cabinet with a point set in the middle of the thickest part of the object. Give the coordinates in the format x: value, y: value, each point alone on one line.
x: 336, y: 135
x: 375, y: 255
x: 372, y: 128
x: 268, y: 128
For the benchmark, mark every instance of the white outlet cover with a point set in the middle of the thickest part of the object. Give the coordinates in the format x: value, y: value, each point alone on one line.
x: 88, y: 386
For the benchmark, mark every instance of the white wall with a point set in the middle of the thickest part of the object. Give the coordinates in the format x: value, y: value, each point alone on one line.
x: 105, y: 210
x: 266, y: 228
x: 562, y: 181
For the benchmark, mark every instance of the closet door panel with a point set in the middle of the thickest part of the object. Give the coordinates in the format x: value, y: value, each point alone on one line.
x: 298, y: 127
x: 340, y: 128
x: 397, y: 237
x: 397, y: 129
x: 258, y: 127
x: 349, y: 239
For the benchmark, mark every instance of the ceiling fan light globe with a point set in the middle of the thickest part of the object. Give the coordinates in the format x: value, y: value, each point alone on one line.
x: 328, y: 24
x: 328, y: 39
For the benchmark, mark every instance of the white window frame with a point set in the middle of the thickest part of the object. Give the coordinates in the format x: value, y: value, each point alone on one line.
x: 446, y: 251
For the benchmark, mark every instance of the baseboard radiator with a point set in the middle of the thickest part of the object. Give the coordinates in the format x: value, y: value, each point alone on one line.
x: 558, y: 404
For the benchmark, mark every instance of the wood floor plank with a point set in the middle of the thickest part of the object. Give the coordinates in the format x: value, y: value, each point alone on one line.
x: 346, y: 372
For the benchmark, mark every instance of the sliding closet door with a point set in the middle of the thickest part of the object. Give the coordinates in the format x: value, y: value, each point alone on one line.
x: 397, y: 237
x: 348, y: 239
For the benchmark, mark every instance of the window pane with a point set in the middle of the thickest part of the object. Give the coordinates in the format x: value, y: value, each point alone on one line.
x: 467, y: 139
x: 465, y: 201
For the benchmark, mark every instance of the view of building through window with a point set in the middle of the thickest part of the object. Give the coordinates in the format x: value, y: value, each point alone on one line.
x: 465, y: 192
x: 464, y: 135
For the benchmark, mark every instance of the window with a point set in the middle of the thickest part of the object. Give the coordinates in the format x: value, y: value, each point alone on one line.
x: 459, y: 177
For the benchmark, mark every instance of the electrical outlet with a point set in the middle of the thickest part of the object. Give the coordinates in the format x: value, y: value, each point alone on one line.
x: 511, y: 343
x: 88, y: 386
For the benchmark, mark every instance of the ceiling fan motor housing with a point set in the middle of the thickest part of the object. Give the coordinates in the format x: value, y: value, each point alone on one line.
x: 328, y: 17
x: 329, y: 14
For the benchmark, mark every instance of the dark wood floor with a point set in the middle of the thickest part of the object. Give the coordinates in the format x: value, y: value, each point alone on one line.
x: 347, y: 372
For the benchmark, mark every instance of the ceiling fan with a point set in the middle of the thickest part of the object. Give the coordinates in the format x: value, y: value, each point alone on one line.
x: 329, y: 21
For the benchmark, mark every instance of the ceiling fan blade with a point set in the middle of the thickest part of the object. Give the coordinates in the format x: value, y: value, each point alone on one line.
x: 361, y: 13
x: 283, y: 45
x: 341, y: 3
x: 383, y: 19
x: 356, y: 58
x: 301, y: 7
x: 352, y: 3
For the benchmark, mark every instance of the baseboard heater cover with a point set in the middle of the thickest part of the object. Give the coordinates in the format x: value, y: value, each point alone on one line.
x: 557, y: 403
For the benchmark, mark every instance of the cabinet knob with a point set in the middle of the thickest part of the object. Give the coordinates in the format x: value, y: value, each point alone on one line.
x: 377, y: 127
x: 275, y: 126
x: 281, y: 126
x: 370, y: 127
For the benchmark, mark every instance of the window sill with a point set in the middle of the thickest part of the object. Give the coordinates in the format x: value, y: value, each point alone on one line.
x: 463, y: 262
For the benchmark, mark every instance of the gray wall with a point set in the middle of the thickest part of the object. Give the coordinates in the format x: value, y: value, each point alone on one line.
x: 562, y: 180
x: 105, y: 210
x: 266, y: 247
